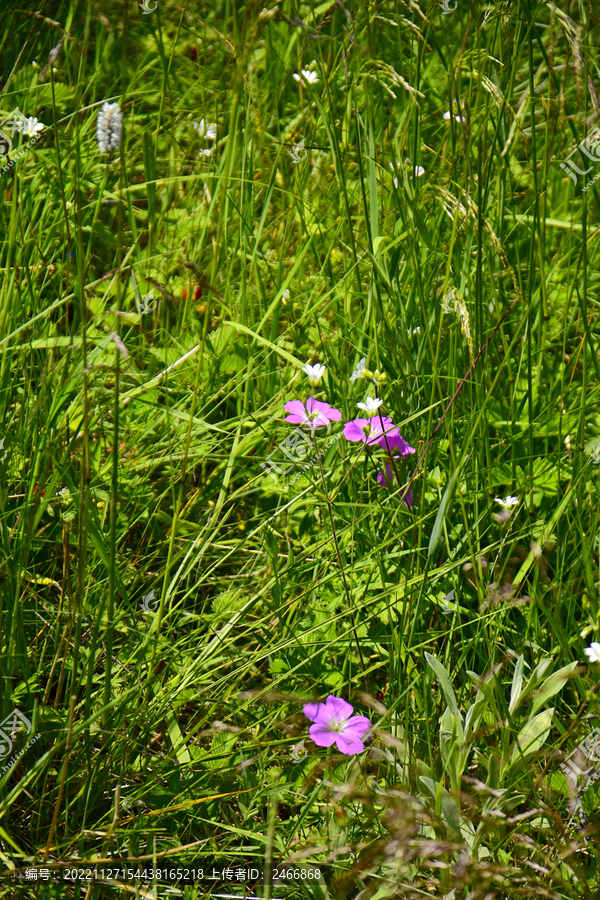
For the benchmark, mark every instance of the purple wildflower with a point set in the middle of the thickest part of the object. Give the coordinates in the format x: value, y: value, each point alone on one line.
x: 315, y: 413
x: 389, y: 481
x: 335, y: 724
x: 371, y: 431
x: 396, y: 442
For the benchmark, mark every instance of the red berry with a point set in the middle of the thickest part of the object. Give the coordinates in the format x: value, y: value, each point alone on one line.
x: 197, y: 292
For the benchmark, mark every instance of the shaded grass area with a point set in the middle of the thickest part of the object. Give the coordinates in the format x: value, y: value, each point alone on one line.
x: 168, y: 606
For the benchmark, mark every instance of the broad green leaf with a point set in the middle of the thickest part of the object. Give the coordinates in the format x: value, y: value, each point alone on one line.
x: 552, y: 685
x: 537, y: 675
x: 451, y: 732
x: 533, y: 735
x: 451, y: 813
x: 429, y: 784
x: 474, y: 714
x: 451, y: 742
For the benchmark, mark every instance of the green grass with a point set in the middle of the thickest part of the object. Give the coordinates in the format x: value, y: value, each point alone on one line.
x: 473, y: 287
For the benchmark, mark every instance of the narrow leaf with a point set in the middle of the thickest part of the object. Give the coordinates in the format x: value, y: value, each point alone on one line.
x: 445, y: 683
x: 439, y: 520
x: 517, y: 683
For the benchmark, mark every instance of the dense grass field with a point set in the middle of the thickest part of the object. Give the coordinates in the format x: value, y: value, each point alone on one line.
x: 402, y: 193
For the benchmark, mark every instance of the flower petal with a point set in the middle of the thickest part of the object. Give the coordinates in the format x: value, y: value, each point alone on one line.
x: 383, y: 480
x: 384, y: 431
x: 296, y: 407
x: 397, y: 442
x: 353, y: 431
x: 357, y: 725
x: 321, y: 735
x: 326, y: 411
x: 311, y: 710
x: 338, y: 708
x: 348, y: 743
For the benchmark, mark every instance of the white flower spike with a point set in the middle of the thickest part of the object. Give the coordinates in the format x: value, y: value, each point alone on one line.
x: 315, y: 373
x: 109, y: 129
x: 593, y: 652
x: 507, y: 502
x: 371, y: 405
x: 359, y: 371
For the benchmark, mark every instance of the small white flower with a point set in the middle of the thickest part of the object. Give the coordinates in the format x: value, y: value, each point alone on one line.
x: 310, y: 77
x: 65, y: 496
x: 593, y: 652
x: 419, y: 170
x: 109, y: 128
x: 285, y: 294
x: 30, y: 127
x: 507, y: 502
x: 412, y: 331
x: 315, y: 373
x: 371, y: 406
x: 206, y: 153
x: 207, y: 130
x: 359, y: 371
x: 457, y: 118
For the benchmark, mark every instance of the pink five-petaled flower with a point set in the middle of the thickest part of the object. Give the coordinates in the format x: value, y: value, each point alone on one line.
x: 370, y: 431
x: 315, y: 413
x: 335, y: 724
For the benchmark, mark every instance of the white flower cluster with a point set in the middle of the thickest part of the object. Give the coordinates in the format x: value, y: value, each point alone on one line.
x: 418, y: 170
x: 109, y: 129
x: 448, y: 115
x: 207, y: 131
